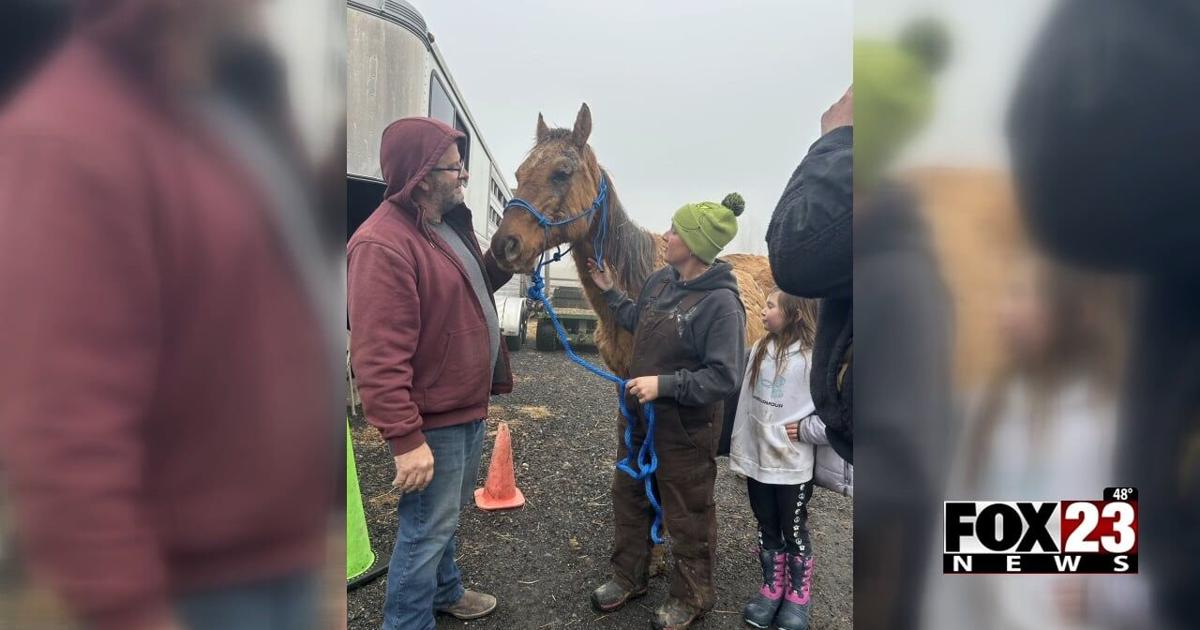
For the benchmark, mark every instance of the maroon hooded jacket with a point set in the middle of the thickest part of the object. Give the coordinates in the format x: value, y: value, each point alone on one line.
x: 418, y: 337
x: 165, y: 400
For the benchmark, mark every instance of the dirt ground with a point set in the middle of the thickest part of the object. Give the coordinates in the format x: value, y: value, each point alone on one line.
x: 543, y: 560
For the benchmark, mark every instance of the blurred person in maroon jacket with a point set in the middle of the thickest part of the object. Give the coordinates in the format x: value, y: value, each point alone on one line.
x: 168, y: 428
x: 427, y: 354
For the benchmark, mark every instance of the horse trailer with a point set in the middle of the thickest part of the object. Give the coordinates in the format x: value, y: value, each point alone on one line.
x: 395, y: 70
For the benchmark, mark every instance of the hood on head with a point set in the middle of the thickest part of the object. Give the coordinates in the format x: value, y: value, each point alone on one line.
x: 146, y: 37
x: 131, y: 29
x: 409, y: 149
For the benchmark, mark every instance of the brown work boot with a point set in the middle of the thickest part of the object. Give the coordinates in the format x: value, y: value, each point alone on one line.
x: 675, y: 615
x: 472, y: 605
x: 611, y: 596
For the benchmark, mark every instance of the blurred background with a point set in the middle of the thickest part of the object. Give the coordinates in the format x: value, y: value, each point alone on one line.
x: 1025, y: 163
x: 172, y: 195
x: 1026, y: 274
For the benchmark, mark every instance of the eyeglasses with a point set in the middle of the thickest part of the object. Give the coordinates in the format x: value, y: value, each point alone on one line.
x: 460, y: 168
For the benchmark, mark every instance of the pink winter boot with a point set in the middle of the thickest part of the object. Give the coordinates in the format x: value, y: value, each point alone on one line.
x: 793, y: 613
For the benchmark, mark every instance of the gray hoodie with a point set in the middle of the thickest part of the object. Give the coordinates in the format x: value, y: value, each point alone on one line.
x: 714, y: 331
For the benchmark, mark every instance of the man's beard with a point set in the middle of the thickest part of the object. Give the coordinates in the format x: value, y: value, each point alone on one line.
x: 448, y: 198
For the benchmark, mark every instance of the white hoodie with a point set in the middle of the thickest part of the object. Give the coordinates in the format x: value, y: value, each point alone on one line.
x: 759, y: 447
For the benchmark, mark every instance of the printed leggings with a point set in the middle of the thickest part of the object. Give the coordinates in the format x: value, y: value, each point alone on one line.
x: 782, y: 514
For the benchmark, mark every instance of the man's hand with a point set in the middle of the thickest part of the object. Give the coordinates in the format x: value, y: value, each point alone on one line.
x: 840, y: 114
x: 793, y: 431
x: 414, y: 469
x: 645, y: 388
x: 600, y: 275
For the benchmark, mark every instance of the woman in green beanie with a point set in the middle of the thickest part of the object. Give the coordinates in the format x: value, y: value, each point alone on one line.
x: 689, y: 329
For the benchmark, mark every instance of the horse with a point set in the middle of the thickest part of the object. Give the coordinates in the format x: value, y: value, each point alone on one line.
x: 561, y: 177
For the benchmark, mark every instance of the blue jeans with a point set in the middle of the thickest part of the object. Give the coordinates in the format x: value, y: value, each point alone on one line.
x: 290, y: 603
x: 422, y: 576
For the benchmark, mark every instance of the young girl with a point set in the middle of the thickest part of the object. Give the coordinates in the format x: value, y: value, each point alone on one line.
x: 689, y: 340
x: 772, y: 444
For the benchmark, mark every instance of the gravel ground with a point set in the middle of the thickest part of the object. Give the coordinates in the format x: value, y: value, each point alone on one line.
x: 543, y: 560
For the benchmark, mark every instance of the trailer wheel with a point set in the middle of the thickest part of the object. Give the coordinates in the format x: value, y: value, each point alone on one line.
x: 514, y: 342
x: 547, y: 339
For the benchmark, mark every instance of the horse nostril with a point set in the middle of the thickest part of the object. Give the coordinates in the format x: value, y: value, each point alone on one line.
x: 511, y: 248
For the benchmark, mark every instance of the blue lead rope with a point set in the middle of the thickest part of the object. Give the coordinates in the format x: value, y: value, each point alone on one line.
x: 642, y: 467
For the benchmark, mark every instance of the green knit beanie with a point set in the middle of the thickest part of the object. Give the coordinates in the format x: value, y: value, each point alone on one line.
x: 893, y: 95
x: 707, y: 227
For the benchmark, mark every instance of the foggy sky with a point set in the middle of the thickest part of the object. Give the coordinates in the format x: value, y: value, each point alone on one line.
x: 989, y: 44
x: 689, y: 100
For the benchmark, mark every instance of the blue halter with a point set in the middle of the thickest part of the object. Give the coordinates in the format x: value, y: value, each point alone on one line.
x: 599, y: 206
x: 642, y: 466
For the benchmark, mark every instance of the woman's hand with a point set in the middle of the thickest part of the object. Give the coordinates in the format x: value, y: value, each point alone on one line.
x: 599, y: 275
x: 645, y: 388
x: 793, y: 431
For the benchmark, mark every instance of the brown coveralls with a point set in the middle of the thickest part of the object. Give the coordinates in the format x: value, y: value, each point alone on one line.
x: 686, y: 439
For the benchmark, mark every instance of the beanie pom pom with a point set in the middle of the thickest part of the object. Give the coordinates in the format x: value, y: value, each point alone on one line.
x: 928, y: 40
x: 735, y: 203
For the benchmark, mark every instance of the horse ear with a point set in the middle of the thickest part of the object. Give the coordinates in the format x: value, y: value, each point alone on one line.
x: 583, y: 127
x: 542, y: 129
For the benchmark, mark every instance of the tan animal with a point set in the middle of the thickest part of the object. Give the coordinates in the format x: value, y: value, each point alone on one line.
x: 561, y: 178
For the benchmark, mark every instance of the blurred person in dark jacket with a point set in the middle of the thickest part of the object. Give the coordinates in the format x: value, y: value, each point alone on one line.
x: 168, y: 425
x: 902, y: 323
x: 809, y: 245
x: 902, y: 402
x: 1103, y: 132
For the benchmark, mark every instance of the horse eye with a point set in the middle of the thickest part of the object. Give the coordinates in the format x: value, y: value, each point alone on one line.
x: 560, y: 176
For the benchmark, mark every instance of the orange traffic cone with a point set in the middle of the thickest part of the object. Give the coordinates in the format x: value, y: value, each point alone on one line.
x: 500, y: 492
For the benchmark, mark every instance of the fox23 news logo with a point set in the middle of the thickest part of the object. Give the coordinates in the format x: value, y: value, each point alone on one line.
x: 1043, y: 536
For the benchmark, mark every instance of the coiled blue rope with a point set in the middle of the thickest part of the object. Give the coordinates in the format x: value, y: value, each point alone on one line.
x: 642, y: 466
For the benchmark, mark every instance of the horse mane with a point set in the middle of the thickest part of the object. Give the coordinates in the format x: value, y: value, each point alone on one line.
x: 630, y: 249
x: 555, y: 134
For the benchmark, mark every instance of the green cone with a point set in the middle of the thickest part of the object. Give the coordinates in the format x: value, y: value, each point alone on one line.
x: 359, y: 557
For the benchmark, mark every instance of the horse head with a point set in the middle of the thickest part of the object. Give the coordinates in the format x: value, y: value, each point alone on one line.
x: 560, y: 179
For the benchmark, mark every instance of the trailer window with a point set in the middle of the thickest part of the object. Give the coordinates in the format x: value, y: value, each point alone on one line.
x: 440, y: 105
x: 442, y: 108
